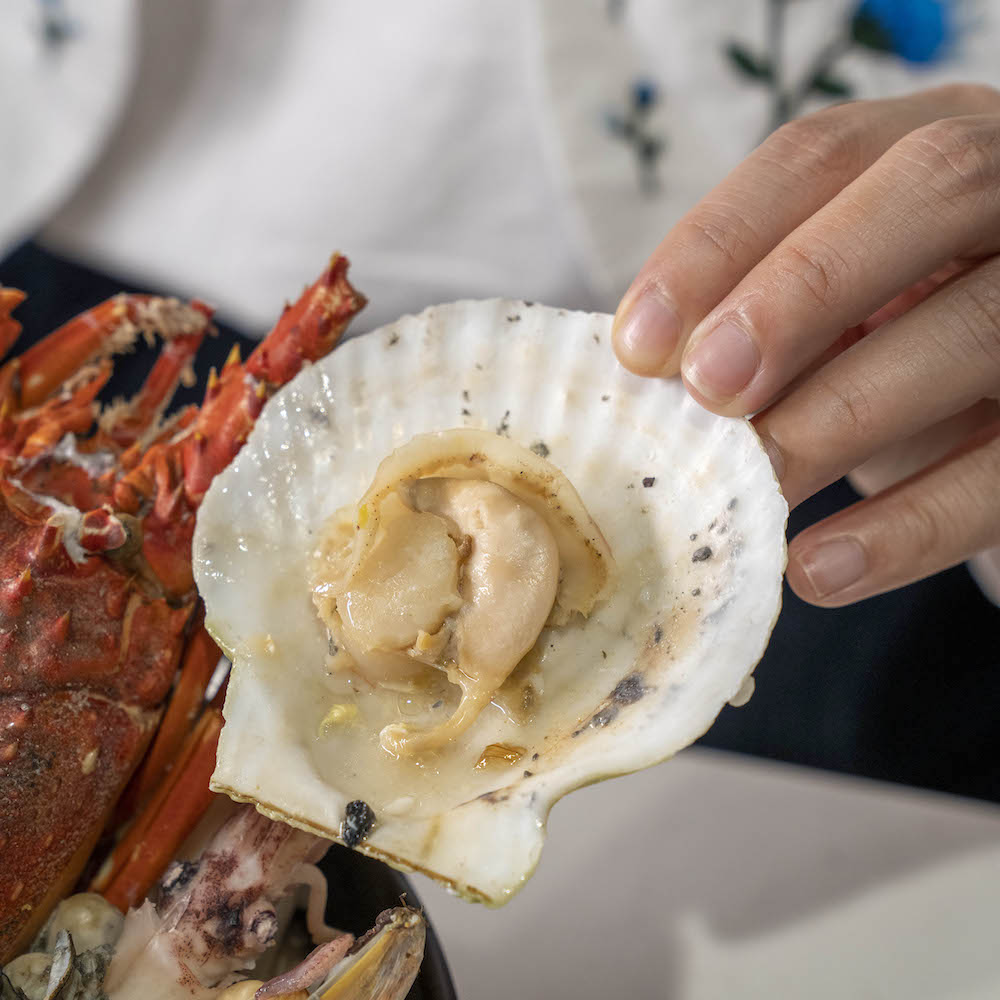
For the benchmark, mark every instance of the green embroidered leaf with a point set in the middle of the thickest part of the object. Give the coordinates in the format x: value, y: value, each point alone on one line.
x: 755, y: 67
x: 866, y: 31
x: 830, y: 85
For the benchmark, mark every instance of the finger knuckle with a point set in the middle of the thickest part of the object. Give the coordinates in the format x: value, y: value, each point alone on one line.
x: 816, y: 145
x: 920, y: 522
x: 974, y: 308
x: 957, y: 157
x: 975, y: 97
x: 721, y: 235
x: 847, y: 407
x: 818, y: 270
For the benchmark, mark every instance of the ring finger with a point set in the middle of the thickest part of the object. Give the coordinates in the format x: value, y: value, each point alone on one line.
x: 933, y: 361
x: 927, y: 523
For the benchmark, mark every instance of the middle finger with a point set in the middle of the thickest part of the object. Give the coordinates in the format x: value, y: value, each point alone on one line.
x: 788, y: 178
x: 933, y: 197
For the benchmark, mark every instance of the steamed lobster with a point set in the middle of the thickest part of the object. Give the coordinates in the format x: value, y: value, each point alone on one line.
x: 97, y: 602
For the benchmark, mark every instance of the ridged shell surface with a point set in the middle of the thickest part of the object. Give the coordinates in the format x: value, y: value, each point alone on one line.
x: 687, y: 501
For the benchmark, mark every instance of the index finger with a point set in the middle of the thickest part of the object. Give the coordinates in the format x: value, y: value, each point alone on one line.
x: 786, y: 180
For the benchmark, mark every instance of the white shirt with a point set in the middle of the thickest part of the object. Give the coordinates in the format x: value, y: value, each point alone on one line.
x: 223, y: 148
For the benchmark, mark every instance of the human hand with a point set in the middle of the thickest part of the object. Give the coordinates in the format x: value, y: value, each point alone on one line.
x: 879, y: 215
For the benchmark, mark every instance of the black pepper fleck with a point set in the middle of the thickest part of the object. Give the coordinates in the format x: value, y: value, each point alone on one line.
x: 693, y: 536
x: 178, y: 875
x: 465, y: 412
x: 597, y: 338
x: 657, y: 635
x: 732, y: 504
x: 503, y: 427
x: 393, y: 339
x: 534, y: 756
x: 465, y: 394
x: 604, y: 717
x: 528, y: 774
x: 700, y: 555
x: 649, y: 481
x: 696, y: 592
x: 541, y: 449
x: 605, y: 398
x: 497, y: 795
x: 515, y: 318
x: 357, y: 823
x: 629, y: 690
x: 438, y: 703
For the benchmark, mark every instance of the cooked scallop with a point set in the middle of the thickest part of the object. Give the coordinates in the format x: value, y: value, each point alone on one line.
x: 467, y: 564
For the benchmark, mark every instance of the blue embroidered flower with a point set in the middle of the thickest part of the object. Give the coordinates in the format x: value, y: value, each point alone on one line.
x: 56, y: 24
x: 632, y: 127
x: 918, y: 31
x: 644, y: 94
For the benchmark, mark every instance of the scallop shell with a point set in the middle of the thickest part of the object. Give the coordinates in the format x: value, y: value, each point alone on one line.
x: 687, y: 500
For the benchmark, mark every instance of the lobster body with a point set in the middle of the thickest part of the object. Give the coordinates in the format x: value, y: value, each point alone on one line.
x: 97, y: 600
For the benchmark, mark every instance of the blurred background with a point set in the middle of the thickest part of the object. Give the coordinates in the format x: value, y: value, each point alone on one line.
x: 537, y: 149
x: 540, y: 149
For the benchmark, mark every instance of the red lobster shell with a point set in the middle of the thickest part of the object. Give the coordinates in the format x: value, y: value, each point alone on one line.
x: 97, y: 600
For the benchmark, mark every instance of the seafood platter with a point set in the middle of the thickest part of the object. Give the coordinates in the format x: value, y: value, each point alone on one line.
x: 401, y: 596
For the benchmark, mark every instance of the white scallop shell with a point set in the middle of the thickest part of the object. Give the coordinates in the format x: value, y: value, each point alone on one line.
x: 687, y: 501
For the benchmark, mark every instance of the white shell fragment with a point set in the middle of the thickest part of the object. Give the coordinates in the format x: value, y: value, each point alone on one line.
x: 688, y: 504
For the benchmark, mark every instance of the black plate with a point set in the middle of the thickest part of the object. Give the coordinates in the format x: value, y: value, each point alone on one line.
x: 360, y: 888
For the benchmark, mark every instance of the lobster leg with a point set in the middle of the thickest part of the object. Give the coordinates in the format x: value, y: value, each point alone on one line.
x: 10, y: 299
x: 179, y: 472
x: 305, y: 331
x: 146, y: 850
x: 71, y: 413
x: 201, y: 657
x: 108, y: 328
x: 30, y: 441
x: 310, y: 328
x: 125, y: 424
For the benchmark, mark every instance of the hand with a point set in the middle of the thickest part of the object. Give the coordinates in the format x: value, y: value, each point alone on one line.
x: 844, y: 280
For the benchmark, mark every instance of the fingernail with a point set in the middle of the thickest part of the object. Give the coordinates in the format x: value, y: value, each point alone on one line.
x: 647, y: 336
x: 722, y: 363
x: 834, y: 566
